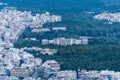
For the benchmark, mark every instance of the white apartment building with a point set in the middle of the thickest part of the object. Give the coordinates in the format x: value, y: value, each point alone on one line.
x: 65, y: 42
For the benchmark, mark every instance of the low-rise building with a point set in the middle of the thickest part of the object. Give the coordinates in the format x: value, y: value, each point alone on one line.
x: 45, y: 41
x: 20, y: 72
x: 59, y: 28
x: 66, y: 75
x: 51, y: 64
x: 48, y: 51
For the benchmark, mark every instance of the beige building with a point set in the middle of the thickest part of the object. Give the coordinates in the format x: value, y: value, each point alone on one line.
x: 20, y: 72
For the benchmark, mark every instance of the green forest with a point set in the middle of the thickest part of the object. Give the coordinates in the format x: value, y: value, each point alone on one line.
x: 90, y: 57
